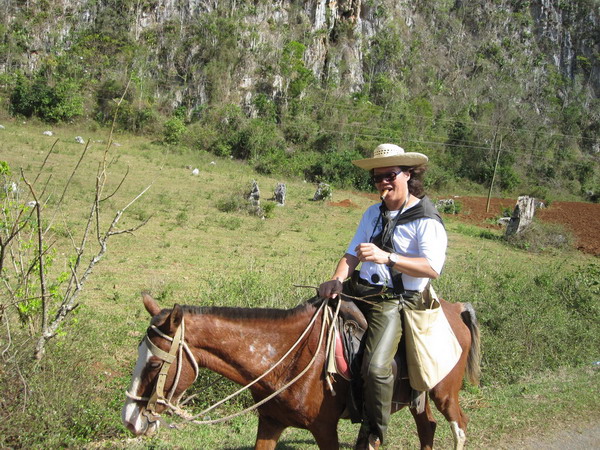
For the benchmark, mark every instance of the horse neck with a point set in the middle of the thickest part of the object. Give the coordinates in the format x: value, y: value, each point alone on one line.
x: 242, y: 345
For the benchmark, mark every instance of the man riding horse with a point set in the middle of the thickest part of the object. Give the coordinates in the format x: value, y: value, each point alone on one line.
x: 401, y: 245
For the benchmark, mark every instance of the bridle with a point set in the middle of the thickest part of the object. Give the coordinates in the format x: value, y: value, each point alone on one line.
x: 178, y: 345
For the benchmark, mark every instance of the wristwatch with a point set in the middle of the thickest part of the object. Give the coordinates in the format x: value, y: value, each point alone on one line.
x: 393, y: 258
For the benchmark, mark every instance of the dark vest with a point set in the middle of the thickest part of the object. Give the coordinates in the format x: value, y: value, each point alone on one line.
x: 425, y: 208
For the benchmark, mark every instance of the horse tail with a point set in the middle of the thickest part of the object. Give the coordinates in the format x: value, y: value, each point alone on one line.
x: 473, y: 370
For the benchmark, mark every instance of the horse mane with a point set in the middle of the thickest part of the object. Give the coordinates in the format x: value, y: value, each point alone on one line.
x: 244, y: 313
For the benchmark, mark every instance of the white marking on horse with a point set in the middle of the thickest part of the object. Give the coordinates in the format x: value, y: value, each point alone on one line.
x: 459, y: 436
x: 252, y: 348
x: 130, y: 414
x: 267, y: 359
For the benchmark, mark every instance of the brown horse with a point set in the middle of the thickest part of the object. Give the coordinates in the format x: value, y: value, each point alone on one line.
x: 242, y: 344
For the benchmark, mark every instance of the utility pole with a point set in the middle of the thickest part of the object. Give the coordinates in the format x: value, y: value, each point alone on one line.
x: 487, y: 208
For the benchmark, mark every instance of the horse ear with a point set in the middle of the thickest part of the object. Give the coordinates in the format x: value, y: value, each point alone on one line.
x: 150, y: 304
x: 176, y: 316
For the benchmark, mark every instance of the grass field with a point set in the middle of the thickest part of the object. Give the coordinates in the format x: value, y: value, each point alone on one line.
x: 539, y: 313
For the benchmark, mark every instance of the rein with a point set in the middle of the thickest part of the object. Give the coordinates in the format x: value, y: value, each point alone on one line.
x: 192, y: 419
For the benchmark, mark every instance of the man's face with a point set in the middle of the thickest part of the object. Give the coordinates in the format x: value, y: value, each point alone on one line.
x: 394, y: 180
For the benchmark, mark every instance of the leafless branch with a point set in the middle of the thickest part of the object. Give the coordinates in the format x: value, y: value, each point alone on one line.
x: 118, y: 187
x: 67, y: 184
x: 40, y: 171
x: 41, y: 259
x: 25, y: 244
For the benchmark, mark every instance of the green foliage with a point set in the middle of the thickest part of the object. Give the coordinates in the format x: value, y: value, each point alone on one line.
x: 132, y: 114
x: 61, y: 101
x: 447, y: 85
x: 174, y: 130
x: 450, y: 207
x: 292, y: 67
x: 336, y: 167
x: 4, y: 169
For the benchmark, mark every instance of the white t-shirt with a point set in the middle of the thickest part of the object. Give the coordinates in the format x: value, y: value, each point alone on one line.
x: 423, y: 237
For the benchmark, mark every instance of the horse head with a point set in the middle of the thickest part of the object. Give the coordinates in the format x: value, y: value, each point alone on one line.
x: 165, y: 368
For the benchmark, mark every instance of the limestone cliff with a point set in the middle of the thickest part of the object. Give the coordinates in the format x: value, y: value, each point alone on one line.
x: 175, y: 38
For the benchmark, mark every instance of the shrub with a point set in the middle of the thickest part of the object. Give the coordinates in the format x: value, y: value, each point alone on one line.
x: 52, y: 103
x: 337, y: 168
x: 174, y: 130
x: 540, y: 237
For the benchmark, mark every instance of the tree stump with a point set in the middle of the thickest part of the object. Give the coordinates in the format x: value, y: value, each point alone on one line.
x: 522, y: 215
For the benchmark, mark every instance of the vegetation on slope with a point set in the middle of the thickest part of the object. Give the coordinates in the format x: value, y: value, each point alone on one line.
x: 471, y: 84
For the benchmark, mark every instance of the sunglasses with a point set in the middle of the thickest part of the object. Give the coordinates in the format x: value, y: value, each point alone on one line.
x: 389, y: 177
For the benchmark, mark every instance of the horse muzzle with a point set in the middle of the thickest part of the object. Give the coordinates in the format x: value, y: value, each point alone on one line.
x: 139, y: 421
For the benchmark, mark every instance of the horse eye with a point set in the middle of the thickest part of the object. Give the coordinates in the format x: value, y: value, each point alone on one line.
x: 154, y: 364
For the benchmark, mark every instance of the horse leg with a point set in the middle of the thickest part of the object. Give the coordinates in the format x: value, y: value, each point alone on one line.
x: 447, y: 403
x: 426, y: 424
x: 268, y: 433
x: 326, y: 436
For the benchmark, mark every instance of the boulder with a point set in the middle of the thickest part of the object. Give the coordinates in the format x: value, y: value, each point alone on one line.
x: 254, y: 195
x: 279, y: 195
x: 323, y: 192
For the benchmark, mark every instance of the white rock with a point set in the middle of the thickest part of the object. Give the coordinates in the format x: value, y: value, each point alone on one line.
x: 48, y: 133
x: 1, y: 127
x: 195, y: 172
x: 79, y: 140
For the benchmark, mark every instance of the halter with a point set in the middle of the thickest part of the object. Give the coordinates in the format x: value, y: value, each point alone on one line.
x: 178, y: 344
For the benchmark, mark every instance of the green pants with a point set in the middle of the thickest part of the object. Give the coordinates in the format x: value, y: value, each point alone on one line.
x: 383, y: 337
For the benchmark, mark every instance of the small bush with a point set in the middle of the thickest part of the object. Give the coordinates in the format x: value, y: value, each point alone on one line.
x: 174, y: 130
x: 234, y: 203
x: 337, y: 168
x: 540, y: 237
x: 449, y: 207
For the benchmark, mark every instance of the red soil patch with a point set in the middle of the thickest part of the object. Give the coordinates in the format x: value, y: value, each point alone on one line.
x: 345, y: 203
x: 582, y: 219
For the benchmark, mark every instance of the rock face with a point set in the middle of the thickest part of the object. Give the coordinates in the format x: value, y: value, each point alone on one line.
x: 336, y: 36
x: 568, y: 33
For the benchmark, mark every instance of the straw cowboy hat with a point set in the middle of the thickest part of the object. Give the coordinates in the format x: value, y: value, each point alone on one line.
x: 388, y: 155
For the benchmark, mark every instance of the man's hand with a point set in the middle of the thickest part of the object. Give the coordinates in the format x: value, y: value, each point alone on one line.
x: 370, y: 252
x: 330, y: 289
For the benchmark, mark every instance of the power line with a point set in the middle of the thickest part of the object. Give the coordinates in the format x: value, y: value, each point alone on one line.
x: 378, y: 133
x: 517, y: 151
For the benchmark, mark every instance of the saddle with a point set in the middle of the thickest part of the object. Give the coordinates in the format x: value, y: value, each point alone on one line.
x: 348, y: 349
